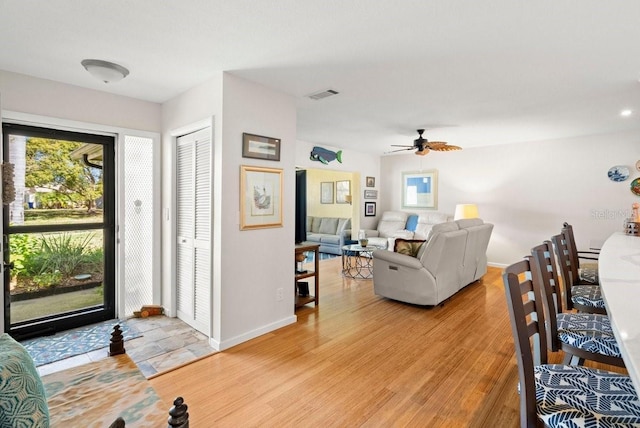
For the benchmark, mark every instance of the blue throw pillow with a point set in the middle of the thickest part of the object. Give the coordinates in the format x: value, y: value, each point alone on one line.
x: 412, y: 223
x: 23, y: 402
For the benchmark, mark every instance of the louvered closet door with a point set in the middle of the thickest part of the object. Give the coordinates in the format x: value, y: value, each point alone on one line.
x: 193, y: 264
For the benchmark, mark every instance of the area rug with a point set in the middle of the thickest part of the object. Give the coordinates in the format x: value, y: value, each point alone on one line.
x: 48, y: 349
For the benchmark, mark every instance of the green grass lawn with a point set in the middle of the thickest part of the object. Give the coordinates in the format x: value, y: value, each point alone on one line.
x: 42, y: 306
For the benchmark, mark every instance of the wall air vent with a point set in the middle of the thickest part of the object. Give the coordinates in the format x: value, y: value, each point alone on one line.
x: 323, y: 94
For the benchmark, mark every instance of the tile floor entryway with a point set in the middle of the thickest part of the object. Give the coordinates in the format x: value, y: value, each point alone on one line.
x: 165, y: 343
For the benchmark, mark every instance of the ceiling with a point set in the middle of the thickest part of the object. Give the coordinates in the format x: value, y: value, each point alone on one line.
x: 473, y: 73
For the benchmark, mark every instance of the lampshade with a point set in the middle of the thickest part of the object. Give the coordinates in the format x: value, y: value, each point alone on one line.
x: 106, y: 71
x: 466, y: 211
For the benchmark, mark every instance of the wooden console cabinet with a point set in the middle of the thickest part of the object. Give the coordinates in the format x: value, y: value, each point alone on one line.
x: 314, y: 274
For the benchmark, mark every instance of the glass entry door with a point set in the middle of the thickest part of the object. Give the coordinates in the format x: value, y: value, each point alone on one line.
x: 59, y: 230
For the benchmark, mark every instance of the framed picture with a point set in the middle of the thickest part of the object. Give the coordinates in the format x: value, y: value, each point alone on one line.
x: 326, y: 192
x: 371, y: 182
x: 260, y: 197
x: 369, y: 209
x: 343, y: 189
x: 258, y: 147
x: 420, y: 189
x: 371, y: 194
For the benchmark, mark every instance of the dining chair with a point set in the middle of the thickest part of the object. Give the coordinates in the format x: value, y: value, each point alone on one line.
x: 580, y: 336
x: 584, y: 298
x: 586, y: 272
x: 559, y: 395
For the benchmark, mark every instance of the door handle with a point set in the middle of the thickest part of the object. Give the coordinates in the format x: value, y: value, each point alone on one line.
x: 8, y: 265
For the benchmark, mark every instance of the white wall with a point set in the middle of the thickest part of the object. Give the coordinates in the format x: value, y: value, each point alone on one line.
x: 256, y: 263
x: 367, y: 165
x: 35, y: 96
x: 528, y: 190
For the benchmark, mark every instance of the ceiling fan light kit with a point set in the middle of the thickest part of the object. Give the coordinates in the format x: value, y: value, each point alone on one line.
x: 422, y: 146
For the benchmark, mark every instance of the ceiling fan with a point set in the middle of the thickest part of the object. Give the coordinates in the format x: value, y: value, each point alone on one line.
x: 422, y: 145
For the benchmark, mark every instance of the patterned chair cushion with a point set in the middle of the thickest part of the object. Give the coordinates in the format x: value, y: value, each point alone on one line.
x: 584, y: 322
x: 22, y: 399
x: 587, y: 295
x: 591, y: 334
x: 576, y: 396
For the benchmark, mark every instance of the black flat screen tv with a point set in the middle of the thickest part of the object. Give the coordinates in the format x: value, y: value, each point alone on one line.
x: 301, y: 206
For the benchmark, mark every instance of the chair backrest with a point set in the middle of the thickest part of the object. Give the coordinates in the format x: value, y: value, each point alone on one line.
x: 564, y: 263
x: 475, y: 256
x: 391, y: 222
x: 524, y: 303
x: 545, y: 277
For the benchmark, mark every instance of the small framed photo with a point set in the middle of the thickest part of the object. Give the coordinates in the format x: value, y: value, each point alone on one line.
x: 371, y: 182
x: 369, y: 209
x: 259, y: 147
x: 326, y: 192
x: 371, y: 194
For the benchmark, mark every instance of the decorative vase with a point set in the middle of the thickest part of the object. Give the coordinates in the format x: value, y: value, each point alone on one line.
x: 364, y: 242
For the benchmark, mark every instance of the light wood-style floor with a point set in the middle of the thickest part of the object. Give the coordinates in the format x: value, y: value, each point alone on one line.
x: 362, y: 360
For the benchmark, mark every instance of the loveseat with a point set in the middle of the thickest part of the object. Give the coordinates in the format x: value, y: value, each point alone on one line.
x: 405, y: 225
x: 452, y: 256
x: 330, y: 232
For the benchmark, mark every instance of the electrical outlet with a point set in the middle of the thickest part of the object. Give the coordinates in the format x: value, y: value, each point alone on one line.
x: 279, y: 294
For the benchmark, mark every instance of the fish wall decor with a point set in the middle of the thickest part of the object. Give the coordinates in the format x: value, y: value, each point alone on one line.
x: 325, y: 156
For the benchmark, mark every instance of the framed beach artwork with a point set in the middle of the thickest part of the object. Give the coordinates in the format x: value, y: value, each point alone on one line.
x: 343, y: 189
x: 326, y: 192
x: 259, y: 147
x: 420, y: 189
x: 260, y: 197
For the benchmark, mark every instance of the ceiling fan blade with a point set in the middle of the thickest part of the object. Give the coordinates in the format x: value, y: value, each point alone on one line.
x: 400, y: 150
x: 441, y: 146
x: 400, y: 145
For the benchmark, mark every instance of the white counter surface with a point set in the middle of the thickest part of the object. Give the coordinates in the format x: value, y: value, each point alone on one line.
x: 619, y: 269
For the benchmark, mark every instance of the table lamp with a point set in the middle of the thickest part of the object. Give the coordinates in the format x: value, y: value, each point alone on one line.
x: 466, y: 211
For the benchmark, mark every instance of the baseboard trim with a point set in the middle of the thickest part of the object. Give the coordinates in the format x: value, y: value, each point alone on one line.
x: 226, y: 344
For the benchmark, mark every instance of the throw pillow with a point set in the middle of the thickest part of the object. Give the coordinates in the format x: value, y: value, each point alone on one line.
x: 410, y: 247
x: 22, y: 395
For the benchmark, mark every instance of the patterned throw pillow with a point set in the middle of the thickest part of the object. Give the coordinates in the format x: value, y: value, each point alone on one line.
x: 22, y: 399
x: 410, y: 247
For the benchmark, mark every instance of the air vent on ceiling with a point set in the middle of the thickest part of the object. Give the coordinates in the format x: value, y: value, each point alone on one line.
x: 323, y: 94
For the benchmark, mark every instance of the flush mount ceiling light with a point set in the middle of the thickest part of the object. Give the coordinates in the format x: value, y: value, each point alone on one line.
x: 626, y: 113
x: 106, y: 71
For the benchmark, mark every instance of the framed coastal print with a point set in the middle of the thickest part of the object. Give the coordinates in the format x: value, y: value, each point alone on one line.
x: 260, y: 197
x: 420, y: 189
x: 369, y: 209
x: 343, y: 189
x: 259, y: 147
x: 326, y: 192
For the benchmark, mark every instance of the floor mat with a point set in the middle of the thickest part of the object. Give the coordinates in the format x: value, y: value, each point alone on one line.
x: 45, y: 350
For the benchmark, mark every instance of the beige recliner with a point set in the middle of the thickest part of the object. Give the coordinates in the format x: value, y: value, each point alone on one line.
x: 453, y: 256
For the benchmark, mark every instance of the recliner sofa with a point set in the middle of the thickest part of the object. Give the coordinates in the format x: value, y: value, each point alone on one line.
x: 402, y: 224
x: 453, y: 256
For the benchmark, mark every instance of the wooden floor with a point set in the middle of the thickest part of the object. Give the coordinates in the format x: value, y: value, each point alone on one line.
x: 362, y: 360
